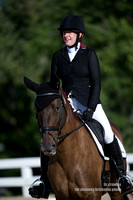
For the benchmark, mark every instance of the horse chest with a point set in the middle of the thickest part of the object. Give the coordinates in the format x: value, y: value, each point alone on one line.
x: 58, y: 180
x: 63, y: 181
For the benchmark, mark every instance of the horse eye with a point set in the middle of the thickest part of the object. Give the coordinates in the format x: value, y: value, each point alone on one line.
x: 57, y: 108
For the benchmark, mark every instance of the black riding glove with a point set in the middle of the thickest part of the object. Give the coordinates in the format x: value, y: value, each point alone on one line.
x: 87, y: 114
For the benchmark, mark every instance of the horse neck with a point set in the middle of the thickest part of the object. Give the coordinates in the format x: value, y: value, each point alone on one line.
x: 70, y: 120
x: 77, y: 145
x: 66, y: 145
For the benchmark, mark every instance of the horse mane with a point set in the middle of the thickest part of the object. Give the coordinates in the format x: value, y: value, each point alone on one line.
x: 68, y: 106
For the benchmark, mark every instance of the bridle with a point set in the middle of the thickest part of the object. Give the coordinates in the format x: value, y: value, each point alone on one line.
x: 46, y: 129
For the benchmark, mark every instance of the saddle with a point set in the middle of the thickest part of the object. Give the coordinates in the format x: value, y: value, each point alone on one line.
x: 97, y: 132
x: 97, y: 129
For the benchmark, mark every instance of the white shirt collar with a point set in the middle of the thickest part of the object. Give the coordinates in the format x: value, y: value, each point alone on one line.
x: 74, y: 49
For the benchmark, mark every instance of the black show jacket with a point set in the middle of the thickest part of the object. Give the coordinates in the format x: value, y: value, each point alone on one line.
x: 81, y: 75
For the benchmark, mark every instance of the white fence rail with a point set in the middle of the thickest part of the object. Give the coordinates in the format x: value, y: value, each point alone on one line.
x: 26, y: 166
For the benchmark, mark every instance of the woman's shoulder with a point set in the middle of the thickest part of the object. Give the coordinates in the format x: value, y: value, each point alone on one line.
x: 87, y: 50
x: 84, y: 47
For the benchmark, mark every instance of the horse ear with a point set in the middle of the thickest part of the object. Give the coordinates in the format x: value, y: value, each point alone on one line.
x: 30, y: 84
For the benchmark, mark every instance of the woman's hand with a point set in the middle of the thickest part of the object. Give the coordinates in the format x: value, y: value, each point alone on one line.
x: 87, y: 114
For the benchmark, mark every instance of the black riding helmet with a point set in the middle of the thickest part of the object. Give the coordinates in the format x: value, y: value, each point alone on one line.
x: 73, y: 23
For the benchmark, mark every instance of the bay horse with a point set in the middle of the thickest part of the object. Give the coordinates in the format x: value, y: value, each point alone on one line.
x: 75, y: 165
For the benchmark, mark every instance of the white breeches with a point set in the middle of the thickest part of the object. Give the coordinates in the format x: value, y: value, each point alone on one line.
x: 99, y: 115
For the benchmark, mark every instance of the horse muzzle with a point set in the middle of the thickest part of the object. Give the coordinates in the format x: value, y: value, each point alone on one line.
x: 49, y: 149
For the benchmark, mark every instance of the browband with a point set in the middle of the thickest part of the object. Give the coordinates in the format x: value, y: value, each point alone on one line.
x: 48, y: 94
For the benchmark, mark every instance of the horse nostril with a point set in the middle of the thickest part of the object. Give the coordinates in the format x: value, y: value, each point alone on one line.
x: 53, y: 145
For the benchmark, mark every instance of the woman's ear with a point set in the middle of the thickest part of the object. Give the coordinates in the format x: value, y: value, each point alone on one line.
x: 80, y: 35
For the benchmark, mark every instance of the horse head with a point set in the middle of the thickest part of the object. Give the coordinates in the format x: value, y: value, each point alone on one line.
x: 51, y: 114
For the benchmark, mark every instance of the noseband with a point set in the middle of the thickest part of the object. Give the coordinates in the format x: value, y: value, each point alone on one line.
x: 46, y: 129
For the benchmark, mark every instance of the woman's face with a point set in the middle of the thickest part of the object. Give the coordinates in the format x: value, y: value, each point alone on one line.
x: 69, y: 38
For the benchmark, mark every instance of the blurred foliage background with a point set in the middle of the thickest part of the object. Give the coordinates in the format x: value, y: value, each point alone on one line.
x: 28, y: 39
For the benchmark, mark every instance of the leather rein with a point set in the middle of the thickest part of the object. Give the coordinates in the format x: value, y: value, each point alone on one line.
x: 46, y: 129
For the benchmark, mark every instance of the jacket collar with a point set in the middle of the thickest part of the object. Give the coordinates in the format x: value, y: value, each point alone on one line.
x: 80, y: 51
x: 82, y: 46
